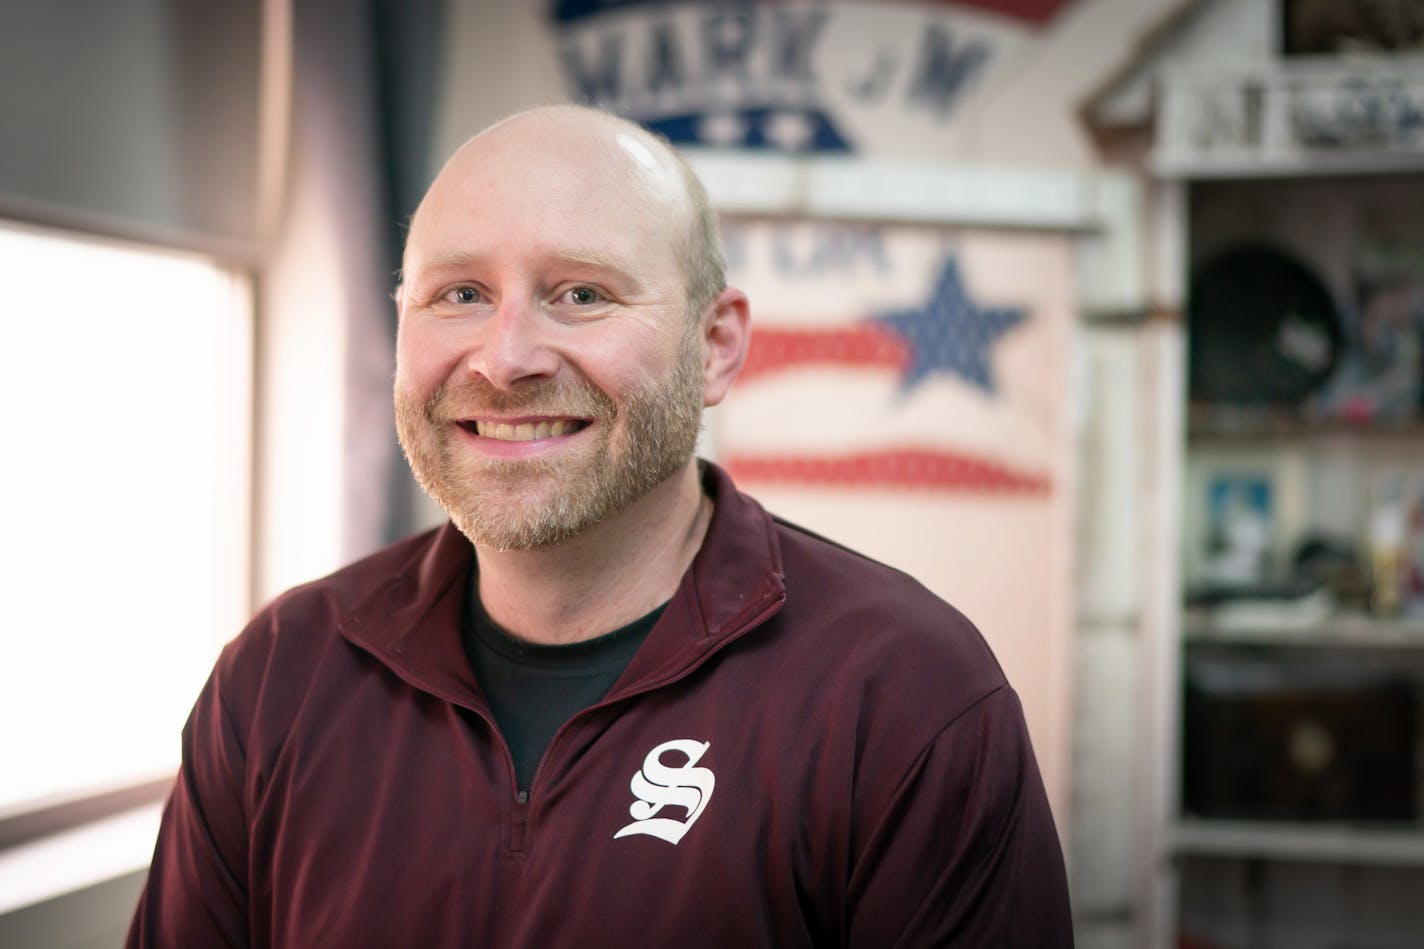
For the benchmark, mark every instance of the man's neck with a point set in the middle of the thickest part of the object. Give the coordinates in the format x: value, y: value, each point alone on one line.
x: 604, y: 578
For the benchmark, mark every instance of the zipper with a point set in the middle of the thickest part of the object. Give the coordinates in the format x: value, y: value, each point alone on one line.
x: 515, y: 832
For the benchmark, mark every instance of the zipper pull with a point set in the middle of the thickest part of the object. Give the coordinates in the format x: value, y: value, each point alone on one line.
x: 519, y: 822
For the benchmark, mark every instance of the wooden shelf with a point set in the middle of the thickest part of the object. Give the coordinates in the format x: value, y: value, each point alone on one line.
x: 1307, y: 842
x: 1238, y: 423
x: 1340, y: 630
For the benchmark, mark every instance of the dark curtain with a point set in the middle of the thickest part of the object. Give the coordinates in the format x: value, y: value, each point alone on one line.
x: 364, y: 82
x: 409, y: 40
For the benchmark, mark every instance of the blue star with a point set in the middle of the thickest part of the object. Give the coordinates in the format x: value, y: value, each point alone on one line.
x: 950, y: 332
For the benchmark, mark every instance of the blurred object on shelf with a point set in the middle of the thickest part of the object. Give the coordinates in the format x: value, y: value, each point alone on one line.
x: 1381, y: 373
x: 1263, y: 329
x: 1266, y: 740
x: 1414, y: 556
x: 1271, y: 609
x: 1387, y: 565
x: 1335, y: 562
x: 1396, y: 533
x: 1294, y: 605
x: 1352, y: 27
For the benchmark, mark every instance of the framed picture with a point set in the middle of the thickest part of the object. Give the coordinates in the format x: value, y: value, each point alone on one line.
x: 1244, y: 510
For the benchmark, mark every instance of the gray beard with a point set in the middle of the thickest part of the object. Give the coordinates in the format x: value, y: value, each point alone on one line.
x: 660, y: 421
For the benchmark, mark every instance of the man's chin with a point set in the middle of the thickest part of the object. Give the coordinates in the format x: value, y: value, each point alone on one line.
x: 516, y: 507
x: 522, y: 527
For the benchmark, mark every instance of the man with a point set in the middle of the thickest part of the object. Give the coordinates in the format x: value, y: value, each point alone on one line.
x: 616, y: 703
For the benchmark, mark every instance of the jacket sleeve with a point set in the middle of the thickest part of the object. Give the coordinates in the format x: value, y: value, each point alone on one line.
x: 965, y: 854
x: 196, y: 894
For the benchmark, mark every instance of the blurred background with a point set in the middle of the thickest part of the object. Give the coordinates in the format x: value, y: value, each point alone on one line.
x: 1104, y: 318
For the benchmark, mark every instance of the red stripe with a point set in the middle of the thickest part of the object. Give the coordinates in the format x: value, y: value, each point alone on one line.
x: 1037, y: 12
x: 916, y: 468
x: 866, y: 346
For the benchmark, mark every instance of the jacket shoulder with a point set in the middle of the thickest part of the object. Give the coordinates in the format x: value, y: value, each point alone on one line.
x: 347, y: 587
x: 305, y: 620
x: 885, y: 623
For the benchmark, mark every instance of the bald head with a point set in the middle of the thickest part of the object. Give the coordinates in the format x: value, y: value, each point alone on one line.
x: 610, y: 159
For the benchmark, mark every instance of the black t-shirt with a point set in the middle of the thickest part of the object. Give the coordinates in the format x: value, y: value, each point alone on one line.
x: 533, y: 688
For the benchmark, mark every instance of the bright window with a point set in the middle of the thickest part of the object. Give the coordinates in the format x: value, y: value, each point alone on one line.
x: 124, y: 504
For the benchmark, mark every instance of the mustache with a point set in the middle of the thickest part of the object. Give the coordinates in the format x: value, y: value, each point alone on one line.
x: 474, y: 396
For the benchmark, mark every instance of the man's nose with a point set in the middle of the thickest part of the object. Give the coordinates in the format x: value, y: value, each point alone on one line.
x: 513, y: 345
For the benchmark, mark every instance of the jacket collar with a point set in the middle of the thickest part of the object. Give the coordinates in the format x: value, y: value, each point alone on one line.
x: 412, y: 620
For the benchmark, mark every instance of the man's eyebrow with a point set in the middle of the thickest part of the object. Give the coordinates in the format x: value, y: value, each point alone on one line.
x: 594, y: 257
x: 581, y: 256
x: 449, y: 260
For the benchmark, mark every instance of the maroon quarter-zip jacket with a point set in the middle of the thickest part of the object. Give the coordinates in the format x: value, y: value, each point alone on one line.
x: 809, y: 749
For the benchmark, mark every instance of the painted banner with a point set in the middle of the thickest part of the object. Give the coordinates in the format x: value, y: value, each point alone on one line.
x: 930, y: 348
x: 792, y: 76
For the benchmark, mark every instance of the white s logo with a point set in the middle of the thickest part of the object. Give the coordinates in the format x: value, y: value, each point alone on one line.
x: 658, y: 786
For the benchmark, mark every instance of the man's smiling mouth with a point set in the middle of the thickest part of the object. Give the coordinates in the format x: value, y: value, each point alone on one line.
x: 523, y: 431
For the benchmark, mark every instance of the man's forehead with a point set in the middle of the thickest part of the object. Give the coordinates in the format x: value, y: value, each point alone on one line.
x: 618, y: 193
x: 578, y: 217
x: 580, y: 148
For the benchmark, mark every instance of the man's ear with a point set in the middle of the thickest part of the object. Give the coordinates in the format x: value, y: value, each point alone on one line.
x: 726, y: 333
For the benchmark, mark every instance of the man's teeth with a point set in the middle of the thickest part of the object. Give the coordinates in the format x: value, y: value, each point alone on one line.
x: 523, y: 432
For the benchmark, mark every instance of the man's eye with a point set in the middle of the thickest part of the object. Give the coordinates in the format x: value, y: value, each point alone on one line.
x: 464, y: 295
x: 583, y: 296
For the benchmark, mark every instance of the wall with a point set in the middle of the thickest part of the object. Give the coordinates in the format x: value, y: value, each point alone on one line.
x: 137, y: 115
